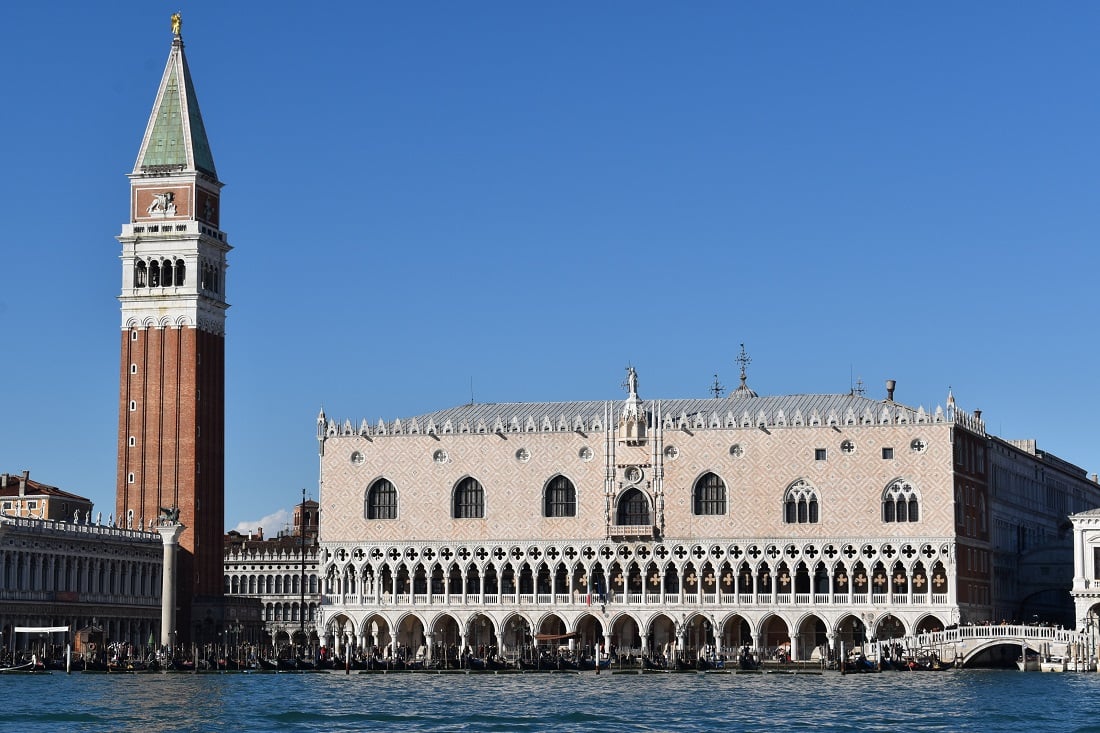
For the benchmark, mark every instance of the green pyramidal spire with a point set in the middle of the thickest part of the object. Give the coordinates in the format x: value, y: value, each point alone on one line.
x: 175, y: 138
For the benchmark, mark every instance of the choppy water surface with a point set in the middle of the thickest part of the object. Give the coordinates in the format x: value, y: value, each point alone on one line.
x: 892, y: 701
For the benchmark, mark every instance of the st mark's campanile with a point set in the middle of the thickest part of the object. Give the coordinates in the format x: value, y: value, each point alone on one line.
x: 171, y: 426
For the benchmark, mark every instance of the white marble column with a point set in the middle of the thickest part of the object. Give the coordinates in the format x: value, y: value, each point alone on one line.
x: 170, y: 535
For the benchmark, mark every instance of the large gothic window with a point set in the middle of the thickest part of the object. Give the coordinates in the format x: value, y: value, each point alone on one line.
x: 709, y: 495
x: 560, y: 499
x: 633, y: 508
x: 900, y: 502
x: 382, y: 500
x: 800, y: 505
x: 469, y: 500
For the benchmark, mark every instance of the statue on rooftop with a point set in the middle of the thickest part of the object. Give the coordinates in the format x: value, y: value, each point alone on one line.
x: 177, y: 22
x: 631, y: 380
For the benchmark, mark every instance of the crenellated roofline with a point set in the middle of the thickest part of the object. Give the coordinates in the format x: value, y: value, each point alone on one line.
x: 735, y: 412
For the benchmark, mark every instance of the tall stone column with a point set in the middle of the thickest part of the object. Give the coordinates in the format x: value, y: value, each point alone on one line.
x: 170, y: 535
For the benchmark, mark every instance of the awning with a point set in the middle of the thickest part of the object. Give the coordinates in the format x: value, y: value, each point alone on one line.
x: 40, y: 629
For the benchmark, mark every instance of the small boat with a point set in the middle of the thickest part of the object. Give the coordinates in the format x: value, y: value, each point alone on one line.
x: 541, y: 663
x: 1029, y: 662
x: 182, y: 665
x: 1051, y: 663
x: 859, y: 665
x: 24, y: 667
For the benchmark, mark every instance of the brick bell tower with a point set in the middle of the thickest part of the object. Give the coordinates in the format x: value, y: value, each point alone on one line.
x: 171, y: 426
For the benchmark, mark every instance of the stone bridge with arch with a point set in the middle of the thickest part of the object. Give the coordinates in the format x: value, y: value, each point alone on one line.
x: 965, y: 643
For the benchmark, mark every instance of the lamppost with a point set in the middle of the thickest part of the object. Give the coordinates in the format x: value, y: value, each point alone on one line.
x: 302, y: 580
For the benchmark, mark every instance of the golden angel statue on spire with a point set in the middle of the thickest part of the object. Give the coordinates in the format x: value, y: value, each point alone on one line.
x: 177, y: 21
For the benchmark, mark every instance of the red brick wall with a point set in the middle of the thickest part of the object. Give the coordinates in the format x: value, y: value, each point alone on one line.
x: 179, y: 452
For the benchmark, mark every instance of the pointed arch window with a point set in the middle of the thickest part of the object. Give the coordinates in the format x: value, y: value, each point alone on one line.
x: 900, y: 503
x: 633, y: 509
x: 800, y: 504
x: 709, y: 495
x: 382, y: 500
x: 469, y: 500
x: 560, y: 499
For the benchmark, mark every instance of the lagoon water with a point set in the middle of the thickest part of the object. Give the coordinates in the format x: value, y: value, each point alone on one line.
x: 958, y: 700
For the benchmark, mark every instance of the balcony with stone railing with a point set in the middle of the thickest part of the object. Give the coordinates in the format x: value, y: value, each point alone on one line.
x: 633, y: 600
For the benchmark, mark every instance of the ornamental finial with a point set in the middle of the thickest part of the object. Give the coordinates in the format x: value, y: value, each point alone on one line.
x: 744, y: 360
x: 177, y: 22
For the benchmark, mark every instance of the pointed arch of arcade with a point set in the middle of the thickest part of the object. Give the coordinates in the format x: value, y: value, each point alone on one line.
x: 737, y: 632
x: 661, y: 638
x: 446, y: 637
x: 928, y: 623
x: 550, y: 623
x: 812, y: 634
x: 590, y: 629
x: 481, y: 633
x: 516, y: 631
x: 626, y: 634
x: 889, y: 626
x: 775, y: 636
x: 409, y: 636
x: 698, y: 636
x: 340, y: 632
x: 375, y: 633
x: 850, y: 633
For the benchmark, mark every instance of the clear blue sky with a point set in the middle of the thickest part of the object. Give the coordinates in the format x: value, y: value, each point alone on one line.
x: 529, y: 196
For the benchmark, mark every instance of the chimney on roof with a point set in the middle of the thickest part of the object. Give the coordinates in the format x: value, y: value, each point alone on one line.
x: 977, y: 414
x: 890, y: 384
x: 23, y: 483
x: 3, y: 480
